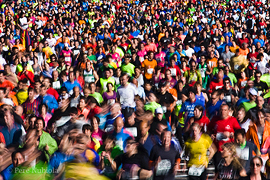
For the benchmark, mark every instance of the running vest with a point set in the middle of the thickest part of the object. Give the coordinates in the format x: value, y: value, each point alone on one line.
x: 88, y: 76
x: 103, y: 83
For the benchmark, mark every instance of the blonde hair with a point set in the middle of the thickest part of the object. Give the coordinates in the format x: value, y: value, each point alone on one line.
x: 231, y: 147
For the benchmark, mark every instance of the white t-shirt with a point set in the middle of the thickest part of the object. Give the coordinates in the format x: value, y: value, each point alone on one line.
x: 23, y: 23
x: 126, y: 95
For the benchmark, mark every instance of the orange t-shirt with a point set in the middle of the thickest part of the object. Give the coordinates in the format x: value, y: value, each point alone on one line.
x: 243, y: 52
x: 7, y: 84
x: 149, y: 67
x: 242, y: 83
x: 212, y: 62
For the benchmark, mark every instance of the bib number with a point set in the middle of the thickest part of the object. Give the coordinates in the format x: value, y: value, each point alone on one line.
x: 196, y: 171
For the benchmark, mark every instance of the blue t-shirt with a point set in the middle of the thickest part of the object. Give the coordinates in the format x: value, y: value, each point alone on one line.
x: 188, y: 108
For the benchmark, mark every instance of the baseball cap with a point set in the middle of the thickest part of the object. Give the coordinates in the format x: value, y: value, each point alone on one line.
x: 253, y: 92
x: 159, y: 110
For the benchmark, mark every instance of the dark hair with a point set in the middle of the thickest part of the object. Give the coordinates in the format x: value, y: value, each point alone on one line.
x: 258, y: 157
x: 199, y: 107
x: 40, y: 107
x: 240, y: 131
x: 87, y: 127
x: 73, y: 110
x: 97, y: 118
x: 40, y: 118
x: 16, y: 152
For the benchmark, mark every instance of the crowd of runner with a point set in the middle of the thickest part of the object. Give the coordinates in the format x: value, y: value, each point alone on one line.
x: 113, y: 89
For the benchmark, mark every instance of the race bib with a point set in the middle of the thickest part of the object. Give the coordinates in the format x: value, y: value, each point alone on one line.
x: 76, y: 52
x: 111, y: 101
x: 236, y: 67
x: 67, y: 59
x: 133, y: 131
x: 89, y: 79
x: 150, y: 71
x: 243, y: 154
x: 243, y: 83
x: 202, y: 73
x: 173, y: 71
x: 163, y: 167
x: 179, y: 102
x: 228, y: 98
x: 164, y: 108
x: 56, y: 85
x: 196, y: 171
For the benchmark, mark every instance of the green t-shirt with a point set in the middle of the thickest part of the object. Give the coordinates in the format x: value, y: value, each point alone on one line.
x: 192, y: 76
x: 97, y: 96
x: 152, y: 106
x: 232, y: 78
x: 116, y: 151
x: 248, y: 105
x: 128, y: 68
x: 92, y: 58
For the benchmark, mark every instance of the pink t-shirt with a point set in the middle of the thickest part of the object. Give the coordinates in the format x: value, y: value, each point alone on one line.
x: 160, y: 58
x: 67, y: 56
x: 98, y: 135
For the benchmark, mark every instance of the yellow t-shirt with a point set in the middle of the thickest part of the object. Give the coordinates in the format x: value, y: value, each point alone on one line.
x: 198, y: 150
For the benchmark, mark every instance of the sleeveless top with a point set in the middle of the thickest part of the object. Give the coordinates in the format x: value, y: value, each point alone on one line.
x: 200, y: 97
x: 88, y: 76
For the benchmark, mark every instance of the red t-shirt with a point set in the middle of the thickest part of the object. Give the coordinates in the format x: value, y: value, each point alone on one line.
x: 218, y: 125
x: 214, y: 85
x: 53, y: 92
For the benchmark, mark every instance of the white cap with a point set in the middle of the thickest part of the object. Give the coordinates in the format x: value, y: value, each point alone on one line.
x: 159, y: 110
x: 253, y: 92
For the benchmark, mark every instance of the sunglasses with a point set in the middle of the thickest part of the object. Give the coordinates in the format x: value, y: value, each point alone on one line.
x: 255, y: 164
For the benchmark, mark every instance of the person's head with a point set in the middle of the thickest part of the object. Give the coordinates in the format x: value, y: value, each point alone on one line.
x: 198, y: 111
x: 43, y: 90
x: 228, y: 150
x: 124, y: 79
x: 17, y: 158
x: 71, y: 76
x: 159, y: 113
x: 260, y: 102
x: 92, y: 87
x: 40, y: 124
x: 256, y: 165
x: 252, y: 94
x: 87, y: 129
x: 109, y: 142
x: 144, y: 128
x: 227, y: 83
x: 130, y: 118
x: 241, y: 113
x: 166, y: 138
x: 191, y: 94
x: 260, y: 119
x: 19, y: 110
x: 109, y: 87
x: 47, y: 82
x: 2, y: 76
x: 131, y: 146
x: 118, y: 124
x: 258, y: 75
x: 224, y: 111
x: 95, y: 121
x: 8, y: 116
x: 82, y: 102
x: 196, y: 130
x: 107, y: 73
x: 240, y: 136
x: 86, y: 92
x: 115, y: 108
